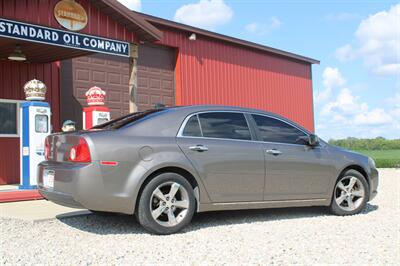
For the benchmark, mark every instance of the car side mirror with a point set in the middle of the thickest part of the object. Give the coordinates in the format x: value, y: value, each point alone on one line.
x: 313, y: 140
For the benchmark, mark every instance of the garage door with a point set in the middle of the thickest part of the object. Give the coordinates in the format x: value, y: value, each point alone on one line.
x: 110, y: 73
x: 156, y: 78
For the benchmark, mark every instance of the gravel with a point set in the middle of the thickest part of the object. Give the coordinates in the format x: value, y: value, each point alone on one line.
x: 274, y: 236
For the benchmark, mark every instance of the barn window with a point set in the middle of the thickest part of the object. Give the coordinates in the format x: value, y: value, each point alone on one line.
x: 9, y: 118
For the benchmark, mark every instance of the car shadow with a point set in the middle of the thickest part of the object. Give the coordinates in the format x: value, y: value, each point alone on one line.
x: 127, y: 224
x: 220, y: 218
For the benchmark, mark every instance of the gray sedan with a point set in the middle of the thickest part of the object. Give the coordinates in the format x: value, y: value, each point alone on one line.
x: 166, y: 164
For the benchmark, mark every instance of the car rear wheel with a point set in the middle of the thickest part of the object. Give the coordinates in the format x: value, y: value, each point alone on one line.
x: 167, y: 204
x: 350, y: 194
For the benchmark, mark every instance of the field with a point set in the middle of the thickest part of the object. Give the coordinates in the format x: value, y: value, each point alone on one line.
x: 384, y: 158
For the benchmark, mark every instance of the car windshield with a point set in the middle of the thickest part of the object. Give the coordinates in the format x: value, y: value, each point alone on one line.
x: 126, y: 119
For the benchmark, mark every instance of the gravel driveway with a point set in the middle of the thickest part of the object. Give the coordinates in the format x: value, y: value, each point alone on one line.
x: 278, y: 236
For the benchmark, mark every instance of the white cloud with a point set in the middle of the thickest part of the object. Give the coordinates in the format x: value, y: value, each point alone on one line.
x: 132, y: 4
x: 207, y: 14
x: 263, y: 28
x: 345, y: 53
x: 332, y: 78
x: 355, y: 112
x: 345, y: 104
x: 346, y: 115
x: 377, y: 43
x: 377, y: 116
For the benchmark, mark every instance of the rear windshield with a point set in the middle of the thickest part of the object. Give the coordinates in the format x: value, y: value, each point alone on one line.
x: 126, y: 119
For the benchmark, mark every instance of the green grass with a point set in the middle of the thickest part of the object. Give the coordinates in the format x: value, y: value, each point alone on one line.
x: 384, y: 158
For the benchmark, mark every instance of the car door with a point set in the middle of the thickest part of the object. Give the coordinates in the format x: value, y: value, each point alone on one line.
x: 220, y: 147
x: 294, y: 170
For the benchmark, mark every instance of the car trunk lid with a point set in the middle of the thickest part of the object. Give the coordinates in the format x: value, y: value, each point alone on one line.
x: 60, y: 144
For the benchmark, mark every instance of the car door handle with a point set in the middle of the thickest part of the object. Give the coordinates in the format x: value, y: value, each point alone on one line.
x: 198, y: 148
x: 273, y: 152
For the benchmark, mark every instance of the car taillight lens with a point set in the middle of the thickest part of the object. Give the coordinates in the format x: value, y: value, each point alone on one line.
x: 46, y: 149
x: 80, y: 153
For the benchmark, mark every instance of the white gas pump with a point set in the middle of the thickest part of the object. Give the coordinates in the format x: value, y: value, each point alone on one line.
x: 35, y: 127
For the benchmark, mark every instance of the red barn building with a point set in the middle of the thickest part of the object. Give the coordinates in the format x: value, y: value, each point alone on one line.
x: 167, y: 62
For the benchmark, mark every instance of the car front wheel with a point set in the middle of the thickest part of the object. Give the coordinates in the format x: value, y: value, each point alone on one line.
x: 166, y: 204
x: 350, y: 194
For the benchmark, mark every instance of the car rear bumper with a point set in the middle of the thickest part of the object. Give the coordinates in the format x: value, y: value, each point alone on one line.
x: 66, y: 182
x: 60, y: 198
x: 86, y: 186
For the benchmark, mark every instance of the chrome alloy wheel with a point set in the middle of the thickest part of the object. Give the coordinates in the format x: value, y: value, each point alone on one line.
x: 169, y: 204
x: 349, y: 193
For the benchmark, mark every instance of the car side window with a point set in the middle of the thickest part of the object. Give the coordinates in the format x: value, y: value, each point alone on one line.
x: 192, y: 127
x: 224, y: 125
x: 274, y: 130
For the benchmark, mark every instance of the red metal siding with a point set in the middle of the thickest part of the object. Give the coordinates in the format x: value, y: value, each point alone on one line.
x: 9, y: 161
x: 214, y: 72
x: 13, y: 76
x: 41, y: 12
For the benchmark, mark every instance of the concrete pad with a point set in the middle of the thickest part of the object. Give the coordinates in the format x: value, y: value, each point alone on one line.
x: 9, y: 187
x: 37, y: 210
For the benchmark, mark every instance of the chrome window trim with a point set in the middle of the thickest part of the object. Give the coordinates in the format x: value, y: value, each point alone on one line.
x: 253, y: 141
x: 180, y: 135
x: 198, y: 122
x: 186, y: 121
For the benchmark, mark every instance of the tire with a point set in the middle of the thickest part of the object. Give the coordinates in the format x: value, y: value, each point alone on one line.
x: 347, y: 199
x: 156, y: 212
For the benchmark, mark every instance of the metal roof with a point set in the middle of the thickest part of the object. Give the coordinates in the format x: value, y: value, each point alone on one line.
x: 131, y: 20
x: 190, y: 29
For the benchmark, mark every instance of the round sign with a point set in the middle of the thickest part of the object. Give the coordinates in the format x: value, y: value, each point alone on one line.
x: 71, y: 15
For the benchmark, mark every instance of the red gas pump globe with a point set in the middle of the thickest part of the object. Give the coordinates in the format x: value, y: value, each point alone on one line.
x: 95, y: 96
x: 96, y: 113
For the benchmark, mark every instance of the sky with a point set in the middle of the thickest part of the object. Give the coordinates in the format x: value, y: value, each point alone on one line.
x: 357, y: 84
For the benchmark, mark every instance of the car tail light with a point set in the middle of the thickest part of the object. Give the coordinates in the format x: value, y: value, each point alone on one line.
x: 80, y: 153
x: 46, y: 149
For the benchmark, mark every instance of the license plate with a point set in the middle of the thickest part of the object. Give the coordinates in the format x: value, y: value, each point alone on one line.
x: 48, y: 178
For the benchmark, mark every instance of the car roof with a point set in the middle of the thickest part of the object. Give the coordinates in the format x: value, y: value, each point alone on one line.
x: 213, y: 107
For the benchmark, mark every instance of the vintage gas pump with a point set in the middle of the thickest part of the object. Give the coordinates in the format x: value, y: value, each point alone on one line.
x: 35, y: 127
x: 96, y: 113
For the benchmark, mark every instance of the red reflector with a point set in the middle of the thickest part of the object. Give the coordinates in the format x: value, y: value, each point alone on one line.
x: 108, y: 163
x: 80, y: 153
